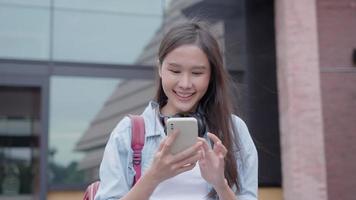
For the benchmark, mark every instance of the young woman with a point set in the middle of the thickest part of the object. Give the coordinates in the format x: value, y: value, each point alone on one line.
x: 221, y: 165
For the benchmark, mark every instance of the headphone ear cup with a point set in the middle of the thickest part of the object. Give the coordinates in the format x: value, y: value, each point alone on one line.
x: 201, y: 125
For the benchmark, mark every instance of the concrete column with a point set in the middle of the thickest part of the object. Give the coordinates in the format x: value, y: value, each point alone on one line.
x: 301, y: 123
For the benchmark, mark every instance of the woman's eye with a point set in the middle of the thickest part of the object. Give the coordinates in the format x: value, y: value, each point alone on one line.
x: 197, y: 73
x: 175, y: 71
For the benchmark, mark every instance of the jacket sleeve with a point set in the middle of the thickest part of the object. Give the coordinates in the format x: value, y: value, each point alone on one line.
x: 116, y: 172
x: 247, y: 162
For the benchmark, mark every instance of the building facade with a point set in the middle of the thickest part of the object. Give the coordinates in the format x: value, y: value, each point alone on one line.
x: 70, y: 71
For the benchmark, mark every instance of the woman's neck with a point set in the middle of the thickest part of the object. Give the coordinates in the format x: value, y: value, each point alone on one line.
x: 167, y: 110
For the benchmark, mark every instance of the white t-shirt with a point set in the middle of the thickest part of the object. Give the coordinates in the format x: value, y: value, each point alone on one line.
x: 189, y: 185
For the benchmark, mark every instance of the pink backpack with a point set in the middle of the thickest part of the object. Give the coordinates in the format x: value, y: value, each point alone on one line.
x: 137, y: 142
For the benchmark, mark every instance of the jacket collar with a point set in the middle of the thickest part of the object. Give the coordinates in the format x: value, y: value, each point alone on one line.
x: 153, y: 126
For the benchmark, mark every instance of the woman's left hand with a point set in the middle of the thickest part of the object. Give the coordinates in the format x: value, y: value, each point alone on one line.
x: 212, y: 162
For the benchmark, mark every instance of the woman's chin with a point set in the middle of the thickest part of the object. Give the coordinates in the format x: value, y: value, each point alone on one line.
x: 185, y: 108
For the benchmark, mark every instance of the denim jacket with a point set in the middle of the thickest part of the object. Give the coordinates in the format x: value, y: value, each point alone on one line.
x: 117, y: 172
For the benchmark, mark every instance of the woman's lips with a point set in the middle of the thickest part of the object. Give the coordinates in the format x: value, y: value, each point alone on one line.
x: 183, y: 96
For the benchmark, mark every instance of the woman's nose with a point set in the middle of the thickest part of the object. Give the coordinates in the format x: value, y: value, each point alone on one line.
x: 185, y: 81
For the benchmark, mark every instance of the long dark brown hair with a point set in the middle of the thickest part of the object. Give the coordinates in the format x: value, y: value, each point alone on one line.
x: 216, y: 103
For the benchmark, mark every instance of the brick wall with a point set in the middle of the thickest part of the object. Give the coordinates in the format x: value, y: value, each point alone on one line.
x: 337, y: 39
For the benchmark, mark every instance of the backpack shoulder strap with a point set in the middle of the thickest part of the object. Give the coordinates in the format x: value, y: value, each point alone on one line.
x: 137, y: 142
x: 91, y: 190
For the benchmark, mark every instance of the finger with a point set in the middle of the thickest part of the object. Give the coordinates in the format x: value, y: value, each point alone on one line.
x: 185, y: 168
x: 202, y: 153
x: 220, y: 148
x: 205, y: 145
x: 169, y: 141
x: 221, y: 156
x: 188, y: 152
x: 213, y: 137
x: 221, y: 160
x: 202, y: 162
x: 190, y: 160
x: 162, y: 144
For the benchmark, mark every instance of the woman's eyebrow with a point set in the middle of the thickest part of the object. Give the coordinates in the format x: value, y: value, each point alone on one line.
x: 200, y: 67
x: 196, y: 67
x: 174, y: 64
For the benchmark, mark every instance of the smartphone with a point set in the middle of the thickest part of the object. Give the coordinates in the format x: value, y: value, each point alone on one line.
x: 188, y: 132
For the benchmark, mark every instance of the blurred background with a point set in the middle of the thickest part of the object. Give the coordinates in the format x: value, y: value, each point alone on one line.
x: 70, y: 70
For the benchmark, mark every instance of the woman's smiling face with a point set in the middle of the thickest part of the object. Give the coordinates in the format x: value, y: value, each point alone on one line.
x: 185, y: 74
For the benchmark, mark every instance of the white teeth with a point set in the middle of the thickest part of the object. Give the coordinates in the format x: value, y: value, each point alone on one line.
x: 184, y: 95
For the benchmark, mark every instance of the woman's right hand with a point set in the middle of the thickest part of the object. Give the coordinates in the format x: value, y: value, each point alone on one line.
x: 166, y: 165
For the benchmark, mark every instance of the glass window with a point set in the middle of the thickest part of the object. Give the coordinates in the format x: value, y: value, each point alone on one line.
x: 19, y: 171
x: 107, y: 33
x: 133, y: 7
x: 19, y: 142
x: 41, y: 3
x: 83, y: 112
x: 78, y: 31
x: 24, y: 31
x: 74, y: 102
